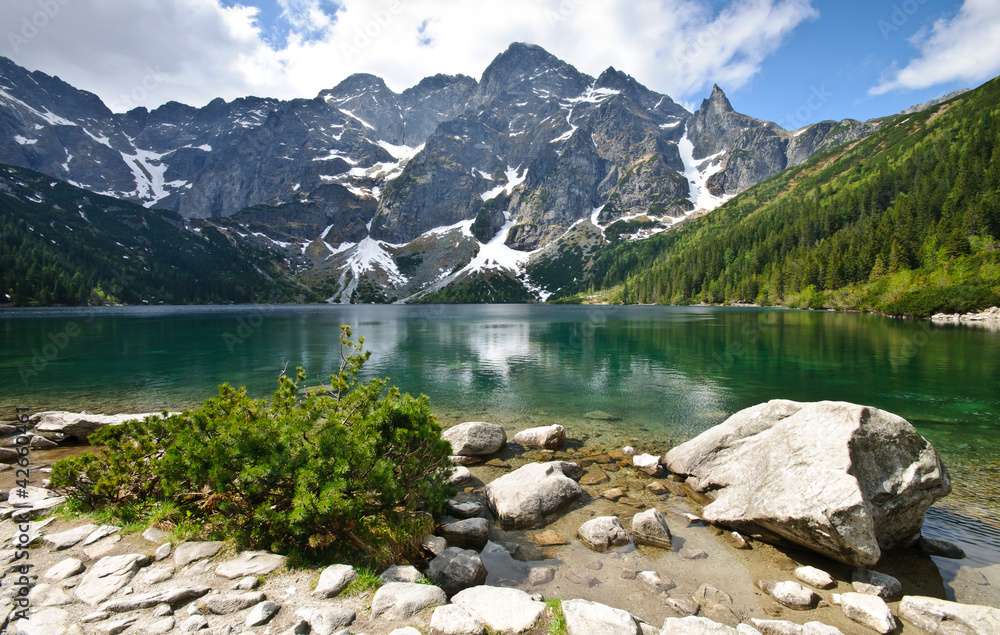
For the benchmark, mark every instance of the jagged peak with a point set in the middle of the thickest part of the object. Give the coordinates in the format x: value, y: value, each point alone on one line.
x: 358, y: 82
x: 717, y: 102
x: 519, y: 58
x: 439, y: 81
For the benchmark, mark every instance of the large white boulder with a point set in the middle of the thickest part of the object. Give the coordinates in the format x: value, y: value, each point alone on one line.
x: 549, y: 437
x: 941, y: 617
x: 532, y: 492
x: 475, y: 438
x: 502, y: 610
x: 591, y: 618
x: 844, y: 480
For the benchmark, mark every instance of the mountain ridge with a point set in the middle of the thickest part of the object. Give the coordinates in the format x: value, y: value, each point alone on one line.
x: 533, y: 154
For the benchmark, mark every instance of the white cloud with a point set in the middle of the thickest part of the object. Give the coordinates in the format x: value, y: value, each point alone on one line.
x: 198, y: 50
x: 965, y: 47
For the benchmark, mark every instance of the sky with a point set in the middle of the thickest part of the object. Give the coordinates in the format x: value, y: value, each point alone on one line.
x: 790, y: 61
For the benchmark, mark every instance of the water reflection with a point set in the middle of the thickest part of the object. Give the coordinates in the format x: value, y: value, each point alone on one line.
x: 668, y: 373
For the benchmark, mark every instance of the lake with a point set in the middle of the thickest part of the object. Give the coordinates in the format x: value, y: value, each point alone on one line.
x: 667, y: 373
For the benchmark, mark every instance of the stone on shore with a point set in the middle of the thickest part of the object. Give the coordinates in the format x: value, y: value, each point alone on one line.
x: 648, y: 463
x: 547, y: 437
x: 603, y: 533
x: 101, y: 533
x: 262, y: 613
x: 941, y: 617
x: 108, y: 575
x: 456, y: 569
x: 844, y: 480
x: 334, y: 579
x: 189, y: 552
x: 874, y: 583
x: 459, y: 475
x: 328, y: 620
x: 48, y: 621
x: 471, y: 533
x: 226, y: 603
x: 68, y: 538
x: 815, y: 577
x: 475, y: 438
x: 502, y: 610
x: 169, y: 597
x: 81, y: 425
x: 591, y: 618
x: 529, y: 494
x: 692, y: 625
x: 791, y: 594
x: 400, y: 573
x: 452, y: 619
x: 250, y: 563
x: 650, y: 528
x: 458, y: 509
x: 868, y: 610
x: 402, y: 600
x: 64, y: 569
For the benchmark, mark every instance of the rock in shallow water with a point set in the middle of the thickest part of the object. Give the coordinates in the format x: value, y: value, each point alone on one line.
x: 456, y: 569
x: 532, y: 492
x: 548, y: 437
x: 844, y: 480
x: 475, y: 438
x: 603, y: 533
x: 650, y: 528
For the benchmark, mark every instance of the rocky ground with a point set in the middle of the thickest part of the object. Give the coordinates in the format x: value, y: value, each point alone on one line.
x: 634, y: 577
x: 987, y: 318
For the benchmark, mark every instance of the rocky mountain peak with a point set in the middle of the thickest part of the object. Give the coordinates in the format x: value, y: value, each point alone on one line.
x: 525, y: 68
x: 717, y: 102
x: 357, y: 83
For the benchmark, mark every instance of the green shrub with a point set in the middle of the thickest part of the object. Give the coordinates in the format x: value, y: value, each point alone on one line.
x: 350, y: 470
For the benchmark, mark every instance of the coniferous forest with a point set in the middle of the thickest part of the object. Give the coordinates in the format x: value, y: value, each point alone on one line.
x: 904, y: 222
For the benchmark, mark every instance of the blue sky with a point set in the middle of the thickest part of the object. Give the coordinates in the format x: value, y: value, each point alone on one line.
x: 790, y: 61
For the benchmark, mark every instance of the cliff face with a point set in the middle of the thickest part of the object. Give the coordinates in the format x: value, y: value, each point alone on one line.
x: 526, y: 153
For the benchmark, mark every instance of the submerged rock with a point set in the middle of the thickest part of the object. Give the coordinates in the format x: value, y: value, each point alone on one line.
x: 844, y: 480
x: 603, y: 533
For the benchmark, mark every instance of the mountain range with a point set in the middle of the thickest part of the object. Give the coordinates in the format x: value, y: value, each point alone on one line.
x: 501, y: 189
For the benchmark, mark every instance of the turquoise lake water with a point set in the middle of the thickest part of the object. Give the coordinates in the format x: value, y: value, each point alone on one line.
x: 668, y: 373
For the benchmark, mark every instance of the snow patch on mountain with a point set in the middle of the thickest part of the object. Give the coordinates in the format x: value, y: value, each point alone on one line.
x: 148, y: 169
x: 368, y: 255
x: 697, y: 172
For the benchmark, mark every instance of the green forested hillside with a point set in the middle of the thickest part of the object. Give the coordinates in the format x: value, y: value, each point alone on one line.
x: 905, y: 221
x: 62, y: 245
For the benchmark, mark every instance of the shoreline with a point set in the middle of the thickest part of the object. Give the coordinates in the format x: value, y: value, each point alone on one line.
x: 604, y: 577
